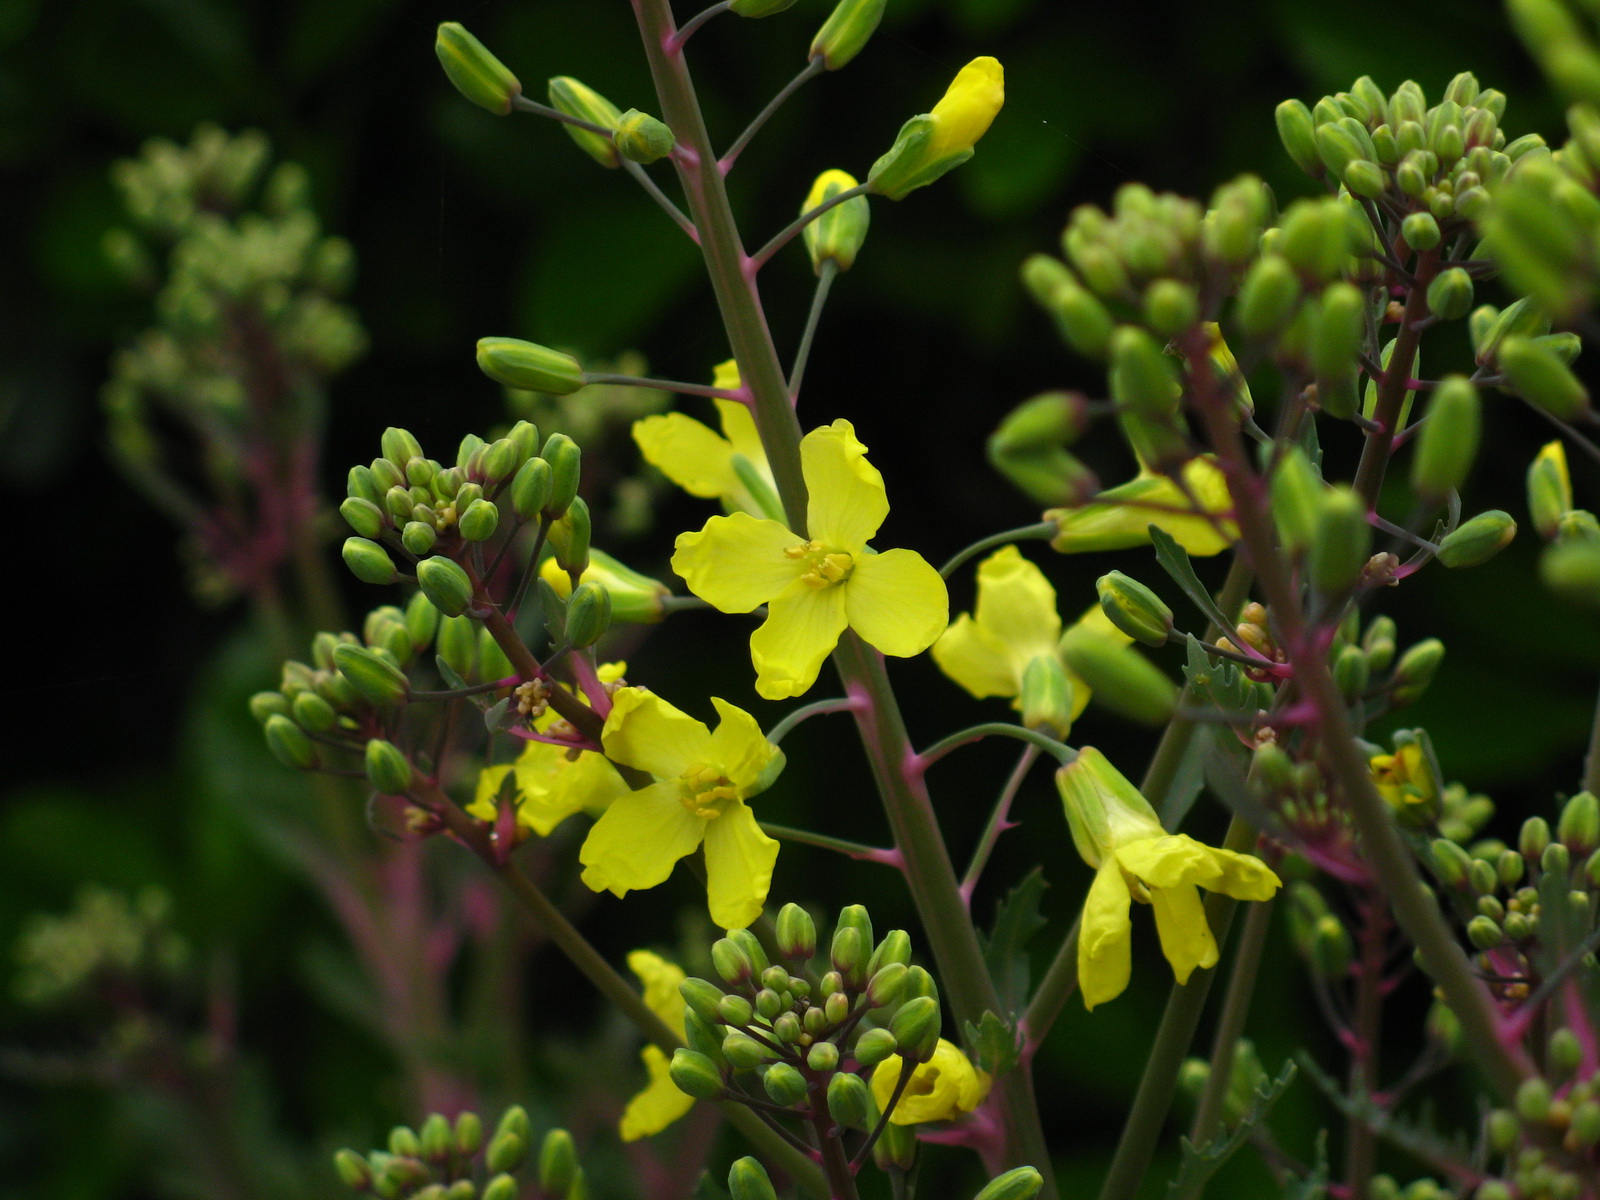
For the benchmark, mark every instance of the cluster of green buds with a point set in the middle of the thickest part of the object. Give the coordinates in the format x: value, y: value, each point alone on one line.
x: 249, y: 330
x: 445, y: 1160
x: 805, y: 1033
x: 1570, y: 562
x: 106, y: 937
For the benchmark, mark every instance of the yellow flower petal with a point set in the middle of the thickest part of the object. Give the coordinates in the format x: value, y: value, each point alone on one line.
x: 1244, y: 876
x: 551, y: 787
x: 1017, y: 604
x: 1105, y: 958
x: 660, y: 978
x: 659, y: 1105
x: 739, y: 860
x: 1095, y: 621
x: 1185, y: 937
x: 896, y: 602
x: 689, y: 453
x: 740, y: 428
x: 967, y: 108
x: 802, y: 627
x: 738, y: 746
x: 1121, y: 516
x: 847, y: 498
x: 737, y: 563
x: 1168, y: 861
x: 977, y: 660
x: 639, y: 839
x: 646, y: 732
x: 941, y: 1089
x: 484, y: 804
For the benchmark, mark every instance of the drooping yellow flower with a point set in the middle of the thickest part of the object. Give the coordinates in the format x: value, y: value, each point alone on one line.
x: 702, y: 781
x: 814, y: 587
x: 552, y: 782
x: 941, y: 1089
x: 730, y: 466
x: 968, y: 107
x: 1120, y: 836
x: 660, y: 1103
x: 1121, y: 517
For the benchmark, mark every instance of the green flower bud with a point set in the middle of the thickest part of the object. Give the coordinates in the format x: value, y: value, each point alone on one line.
x: 742, y: 1051
x: 500, y: 460
x: 1363, y: 177
x: 515, y: 1120
x: 529, y: 366
x: 1556, y: 859
x: 1484, y: 933
x: 368, y: 561
x: 837, y: 235
x: 311, y: 711
x: 479, y: 521
x: 420, y: 471
x: 1342, y: 542
x: 1533, y: 1101
x: 365, y: 517
x: 1296, y: 498
x: 1451, y: 861
x: 265, y: 705
x: 588, y: 614
x: 387, y: 768
x: 1298, y: 134
x: 642, y: 138
x: 1537, y: 374
x: 385, y: 475
x: 696, y: 1075
x: 1331, y: 949
x: 873, y: 1046
x: 1584, y: 1129
x: 566, y: 464
x: 846, y: 31
x: 731, y: 962
x: 435, y: 1138
x: 784, y: 1084
x: 400, y: 502
x: 1084, y: 322
x: 501, y: 1187
x: 530, y: 490
x: 1415, y: 671
x: 1449, y: 439
x: 895, y: 948
x: 361, y: 484
x: 445, y: 584
x: 289, y: 744
x: 775, y: 979
x: 747, y: 1180
x: 1046, y: 695
x: 558, y: 1163
x: 796, y: 933
x: 377, y: 679
x: 576, y: 99
x: 1171, y: 307
x: 855, y: 916
x: 1268, y: 296
x: 1338, y: 147
x: 400, y: 446
x: 1134, y: 609
x: 1338, y: 334
x: 1421, y: 231
x: 916, y: 1029
x: 1142, y: 376
x: 1019, y: 1183
x: 736, y: 1010
x: 1124, y: 681
x: 787, y: 1028
x: 1478, y: 540
x: 751, y: 945
x: 849, y: 956
x: 835, y: 1009
x: 353, y: 1170
x: 1533, y: 838
x: 1579, y: 827
x: 850, y: 1101
x: 419, y: 539
x: 1351, y: 672
x: 886, y: 984
x: 823, y: 1056
x: 768, y: 1003
x: 702, y: 997
x: 478, y: 75
x: 468, y: 1134
x: 1450, y: 294
x: 1571, y: 567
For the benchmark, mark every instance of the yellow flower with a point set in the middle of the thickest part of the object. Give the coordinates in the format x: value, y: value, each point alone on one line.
x: 1408, y: 780
x: 1013, y: 626
x: 941, y: 1089
x: 814, y: 587
x: 660, y: 1103
x: 552, y: 782
x: 730, y: 466
x: 1120, y: 517
x: 1134, y: 858
x: 968, y: 106
x: 634, y: 596
x: 702, y: 780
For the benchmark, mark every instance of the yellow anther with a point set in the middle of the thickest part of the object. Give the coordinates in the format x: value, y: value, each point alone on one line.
x: 705, y: 792
x: 828, y: 569
x: 801, y: 549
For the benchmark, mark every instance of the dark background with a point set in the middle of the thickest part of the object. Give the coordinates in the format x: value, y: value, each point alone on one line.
x: 465, y: 225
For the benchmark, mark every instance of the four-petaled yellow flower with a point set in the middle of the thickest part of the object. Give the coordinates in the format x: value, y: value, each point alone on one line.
x: 968, y: 107
x: 702, y: 781
x: 1120, y: 517
x: 1408, y: 780
x: 941, y: 1089
x: 730, y: 466
x: 552, y: 782
x: 661, y: 1103
x: 1134, y: 858
x: 815, y: 586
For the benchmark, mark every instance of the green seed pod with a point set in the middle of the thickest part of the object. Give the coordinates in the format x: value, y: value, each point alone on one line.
x: 846, y: 31
x: 353, y: 1170
x: 529, y: 366
x: 873, y: 1046
x: 1134, y: 609
x: 576, y: 99
x: 445, y: 584
x: 796, y: 934
x: 823, y: 1056
x: 642, y: 138
x: 363, y: 516
x: 1579, y: 827
x: 1171, y: 307
x: 1415, y: 671
x: 1421, y: 231
x: 374, y: 676
x: 747, y: 1180
x: 894, y: 948
x: 558, y: 1163
x: 387, y: 768
x: 849, y: 1100
x: 1478, y: 540
x: 838, y: 234
x: 1019, y: 1183
x: 566, y: 464
x: 1537, y: 374
x: 1342, y: 542
x: 1127, y: 683
x: 916, y: 1028
x: 501, y: 1187
x: 1449, y: 439
x: 1268, y: 297
x: 468, y: 1134
x: 289, y: 744
x: 588, y: 614
x: 478, y: 75
x: 1298, y: 134
x: 368, y: 561
x: 731, y: 962
x: 479, y: 521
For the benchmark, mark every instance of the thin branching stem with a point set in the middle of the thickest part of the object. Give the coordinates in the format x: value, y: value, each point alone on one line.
x: 760, y: 258
x: 825, y: 277
x: 810, y: 71
x: 660, y: 197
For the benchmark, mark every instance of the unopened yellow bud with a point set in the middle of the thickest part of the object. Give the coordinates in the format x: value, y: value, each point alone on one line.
x: 836, y: 236
x: 477, y: 74
x: 935, y: 142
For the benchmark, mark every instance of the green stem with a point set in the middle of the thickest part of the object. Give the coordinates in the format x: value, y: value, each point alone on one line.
x: 804, y: 713
x: 997, y: 822
x: 1361, y: 1142
x: 1160, y: 1080
x: 828, y: 272
x: 822, y: 841
x: 1392, y: 390
x: 787, y: 234
x: 1043, y: 529
x: 605, y: 978
x: 642, y: 177
x: 810, y: 71
x: 962, y: 737
x: 1591, y: 762
x: 664, y: 385
x: 1230, y: 1025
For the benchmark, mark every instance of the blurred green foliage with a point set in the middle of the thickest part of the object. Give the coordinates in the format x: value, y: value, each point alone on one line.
x: 131, y: 761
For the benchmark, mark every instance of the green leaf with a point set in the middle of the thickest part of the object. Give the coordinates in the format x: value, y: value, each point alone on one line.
x: 1200, y: 1164
x: 993, y: 1043
x: 1005, y: 948
x: 1174, y: 560
x: 1418, y: 1139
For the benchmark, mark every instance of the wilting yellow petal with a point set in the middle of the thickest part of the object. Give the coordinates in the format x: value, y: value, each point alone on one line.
x: 1185, y: 937
x: 1105, y: 956
x: 977, y: 660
